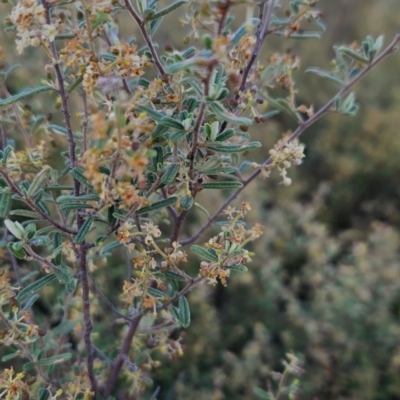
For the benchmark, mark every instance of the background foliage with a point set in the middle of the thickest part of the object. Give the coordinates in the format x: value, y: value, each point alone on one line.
x: 325, y: 280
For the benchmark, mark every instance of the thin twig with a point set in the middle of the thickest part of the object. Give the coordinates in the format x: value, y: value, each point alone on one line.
x: 32, y: 205
x: 119, y: 362
x: 108, y: 302
x: 322, y: 111
x: 20, y: 124
x: 88, y: 326
x: 142, y: 26
x: 261, y: 34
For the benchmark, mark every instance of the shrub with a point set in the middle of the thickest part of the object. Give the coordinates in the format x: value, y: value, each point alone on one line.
x: 139, y: 136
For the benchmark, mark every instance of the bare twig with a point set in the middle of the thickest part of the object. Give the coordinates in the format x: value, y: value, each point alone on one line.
x: 322, y: 111
x: 87, y: 321
x: 20, y: 124
x: 108, y: 302
x: 119, y: 362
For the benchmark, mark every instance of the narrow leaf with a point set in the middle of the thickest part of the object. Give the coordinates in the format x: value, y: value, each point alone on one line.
x: 208, y: 254
x: 25, y: 94
x: 238, y: 268
x: 35, y: 286
x: 77, y: 173
x: 74, y: 206
x: 224, y: 185
x: 5, y: 204
x: 167, y: 10
x: 170, y: 173
x: 324, y: 74
x: 155, y: 292
x: 55, y: 359
x: 80, y: 237
x: 171, y: 122
x: 39, y: 181
x: 156, y: 206
x: 150, y: 111
x: 86, y: 197
x: 233, y: 148
x: 184, y: 312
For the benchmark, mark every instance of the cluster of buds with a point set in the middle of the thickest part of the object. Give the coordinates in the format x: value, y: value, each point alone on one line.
x: 19, y: 330
x: 128, y: 62
x: 228, y: 247
x: 12, y: 385
x: 283, y: 155
x: 28, y: 159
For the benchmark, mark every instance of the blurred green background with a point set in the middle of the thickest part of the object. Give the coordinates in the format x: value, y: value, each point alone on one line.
x: 325, y: 281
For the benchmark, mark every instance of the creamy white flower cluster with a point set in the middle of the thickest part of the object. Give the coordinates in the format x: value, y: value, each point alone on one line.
x: 32, y: 27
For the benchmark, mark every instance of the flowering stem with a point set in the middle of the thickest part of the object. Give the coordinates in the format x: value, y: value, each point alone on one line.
x: 322, y: 111
x: 146, y: 37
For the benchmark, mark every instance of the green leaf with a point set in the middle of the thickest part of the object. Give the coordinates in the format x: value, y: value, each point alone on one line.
x: 184, y: 312
x: 63, y: 274
x: 25, y: 213
x: 353, y: 54
x: 262, y: 393
x: 74, y: 206
x: 223, y: 185
x: 171, y: 123
x: 189, y: 52
x: 30, y: 302
x: 208, y: 254
x: 174, y: 276
x: 55, y: 359
x: 75, y: 84
x: 57, y: 248
x: 10, y: 356
x: 176, y: 136
x: 77, y: 173
x: 232, y: 148
x: 238, y: 268
x: 15, y: 228
x: 167, y: 10
x: 150, y: 111
x: 60, y: 130
x: 325, y: 74
x: 86, y: 197
x: 5, y: 204
x: 226, y: 115
x: 157, y: 205
x: 39, y: 241
x: 155, y: 292
x: 39, y: 181
x: 17, y: 250
x: 80, y: 237
x: 225, y: 135
x: 187, y: 202
x: 111, y: 246
x: 23, y: 95
x: 35, y: 286
x: 159, y: 131
x: 170, y: 173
